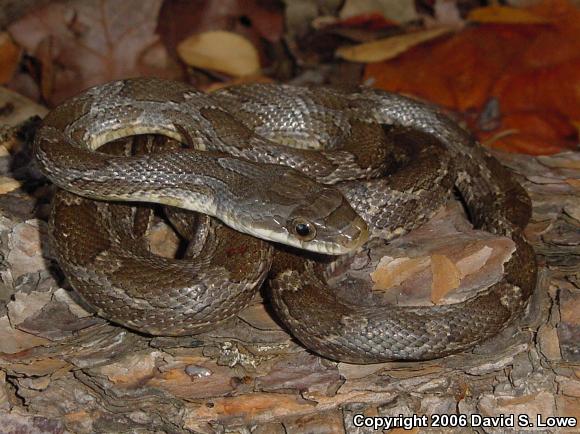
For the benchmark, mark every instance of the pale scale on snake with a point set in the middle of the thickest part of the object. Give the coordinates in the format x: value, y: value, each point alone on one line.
x: 357, y: 127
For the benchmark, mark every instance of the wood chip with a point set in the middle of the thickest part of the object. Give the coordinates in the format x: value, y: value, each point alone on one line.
x: 549, y: 342
x: 13, y: 341
x: 474, y: 262
x: 446, y: 277
x: 393, y: 271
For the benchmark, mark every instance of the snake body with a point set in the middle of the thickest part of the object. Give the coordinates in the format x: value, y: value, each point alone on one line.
x: 323, y: 200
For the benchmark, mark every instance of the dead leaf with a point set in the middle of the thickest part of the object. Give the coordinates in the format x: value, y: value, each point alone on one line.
x: 258, y: 317
x: 8, y: 184
x: 9, y: 57
x: 220, y: 51
x: 401, y: 11
x: 360, y: 28
x: 388, y: 48
x: 253, y: 19
x: 446, y: 277
x: 447, y: 14
x: 163, y: 241
x: 21, y: 108
x: 505, y: 15
x: 531, y: 72
x: 373, y: 22
x: 88, y: 42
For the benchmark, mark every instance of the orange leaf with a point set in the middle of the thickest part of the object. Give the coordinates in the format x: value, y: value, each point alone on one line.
x: 388, y: 48
x: 545, y: 87
x: 457, y: 72
x: 530, y: 70
x: 9, y: 57
x: 505, y: 15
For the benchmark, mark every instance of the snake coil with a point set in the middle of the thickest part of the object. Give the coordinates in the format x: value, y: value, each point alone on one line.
x: 312, y: 168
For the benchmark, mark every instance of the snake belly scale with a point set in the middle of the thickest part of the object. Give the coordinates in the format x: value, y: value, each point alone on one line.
x: 311, y: 168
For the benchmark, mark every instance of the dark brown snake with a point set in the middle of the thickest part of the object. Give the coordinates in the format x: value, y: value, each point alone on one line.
x: 291, y: 165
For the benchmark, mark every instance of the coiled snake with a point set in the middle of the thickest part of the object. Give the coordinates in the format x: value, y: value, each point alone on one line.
x: 235, y: 166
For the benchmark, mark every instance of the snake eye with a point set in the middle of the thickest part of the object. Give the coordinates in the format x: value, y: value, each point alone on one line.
x: 303, y: 229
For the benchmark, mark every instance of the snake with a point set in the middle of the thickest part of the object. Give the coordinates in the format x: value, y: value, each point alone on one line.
x: 283, y: 181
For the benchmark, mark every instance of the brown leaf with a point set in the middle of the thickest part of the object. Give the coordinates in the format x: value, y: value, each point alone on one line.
x: 220, y: 51
x: 398, y: 10
x: 529, y: 72
x: 87, y: 42
x: 505, y: 15
x: 14, y: 109
x: 388, y: 48
x: 254, y: 19
x: 9, y: 57
x: 8, y: 184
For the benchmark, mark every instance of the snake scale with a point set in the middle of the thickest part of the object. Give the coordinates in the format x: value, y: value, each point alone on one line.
x: 317, y: 169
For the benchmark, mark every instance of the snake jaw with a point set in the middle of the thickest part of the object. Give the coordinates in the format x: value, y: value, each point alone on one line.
x: 350, y: 238
x: 357, y: 234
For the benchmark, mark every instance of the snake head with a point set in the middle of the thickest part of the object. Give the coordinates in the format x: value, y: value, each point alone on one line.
x: 292, y: 209
x: 325, y: 222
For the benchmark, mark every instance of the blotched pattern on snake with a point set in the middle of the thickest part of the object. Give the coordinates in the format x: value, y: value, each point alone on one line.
x: 312, y: 168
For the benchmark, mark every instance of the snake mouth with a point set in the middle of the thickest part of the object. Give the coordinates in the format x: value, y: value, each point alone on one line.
x: 350, y: 238
x: 355, y: 235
